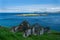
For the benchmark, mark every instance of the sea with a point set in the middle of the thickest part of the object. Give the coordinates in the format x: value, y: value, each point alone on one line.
x: 51, y: 20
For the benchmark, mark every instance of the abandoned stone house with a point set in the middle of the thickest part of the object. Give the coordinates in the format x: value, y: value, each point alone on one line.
x: 35, y: 29
x: 38, y: 29
x: 22, y: 27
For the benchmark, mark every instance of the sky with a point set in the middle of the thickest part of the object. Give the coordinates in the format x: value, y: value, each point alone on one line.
x: 29, y: 5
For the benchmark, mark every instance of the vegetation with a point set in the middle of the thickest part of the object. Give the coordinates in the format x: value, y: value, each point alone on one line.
x: 6, y: 34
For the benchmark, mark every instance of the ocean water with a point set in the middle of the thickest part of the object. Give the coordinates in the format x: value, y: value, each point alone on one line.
x: 11, y: 19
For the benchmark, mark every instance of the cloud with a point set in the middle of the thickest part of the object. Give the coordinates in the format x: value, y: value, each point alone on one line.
x: 31, y: 8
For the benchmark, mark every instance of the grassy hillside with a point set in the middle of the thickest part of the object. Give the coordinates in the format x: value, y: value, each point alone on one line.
x: 5, y: 34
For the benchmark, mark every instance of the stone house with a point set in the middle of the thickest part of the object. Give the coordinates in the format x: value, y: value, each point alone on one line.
x: 35, y: 29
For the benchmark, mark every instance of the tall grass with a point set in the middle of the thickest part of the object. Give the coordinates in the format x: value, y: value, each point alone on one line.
x: 6, y: 34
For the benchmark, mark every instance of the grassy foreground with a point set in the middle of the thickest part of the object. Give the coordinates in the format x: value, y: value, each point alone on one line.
x: 5, y: 34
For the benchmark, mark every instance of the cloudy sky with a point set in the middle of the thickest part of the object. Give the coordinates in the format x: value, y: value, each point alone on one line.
x: 29, y: 5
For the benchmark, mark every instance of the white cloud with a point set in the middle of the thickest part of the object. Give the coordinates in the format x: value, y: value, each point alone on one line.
x: 32, y: 8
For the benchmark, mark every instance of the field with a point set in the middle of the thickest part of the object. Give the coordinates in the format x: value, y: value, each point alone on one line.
x: 6, y: 34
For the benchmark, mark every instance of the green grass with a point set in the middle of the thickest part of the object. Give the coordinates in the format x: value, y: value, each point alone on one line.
x: 5, y: 34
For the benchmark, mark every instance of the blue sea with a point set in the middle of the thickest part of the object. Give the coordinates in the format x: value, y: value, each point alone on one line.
x: 51, y: 20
